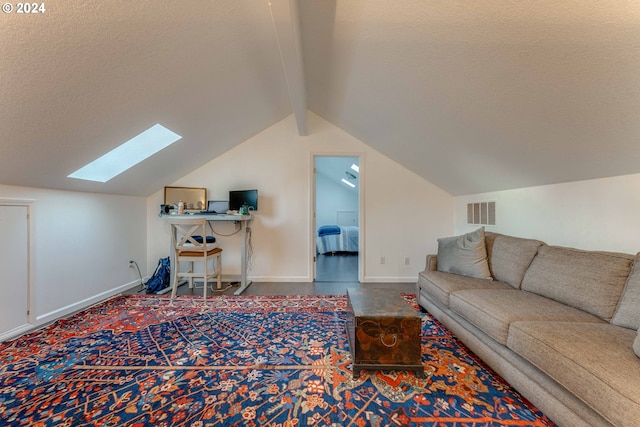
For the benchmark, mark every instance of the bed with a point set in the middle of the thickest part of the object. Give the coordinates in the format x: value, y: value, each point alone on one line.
x: 335, y: 238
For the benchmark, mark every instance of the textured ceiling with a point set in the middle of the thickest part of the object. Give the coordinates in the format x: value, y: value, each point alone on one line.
x: 472, y: 96
x: 483, y: 95
x: 88, y: 75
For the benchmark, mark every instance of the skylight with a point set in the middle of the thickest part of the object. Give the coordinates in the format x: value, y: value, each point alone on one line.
x: 350, y: 184
x: 127, y: 155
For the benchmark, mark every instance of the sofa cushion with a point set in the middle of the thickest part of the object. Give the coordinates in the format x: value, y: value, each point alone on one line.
x: 509, y: 257
x: 440, y: 285
x: 628, y: 312
x: 465, y: 255
x: 588, y: 280
x: 493, y: 310
x: 592, y: 360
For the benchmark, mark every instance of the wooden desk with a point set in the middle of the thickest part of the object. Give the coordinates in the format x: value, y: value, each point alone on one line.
x: 243, y: 220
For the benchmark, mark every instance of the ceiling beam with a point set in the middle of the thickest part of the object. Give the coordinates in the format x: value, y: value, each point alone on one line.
x: 286, y: 23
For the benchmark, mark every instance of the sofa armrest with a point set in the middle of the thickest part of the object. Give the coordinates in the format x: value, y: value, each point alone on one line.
x: 432, y: 263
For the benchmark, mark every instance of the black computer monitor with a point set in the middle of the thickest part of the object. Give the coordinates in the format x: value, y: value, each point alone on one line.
x: 238, y: 198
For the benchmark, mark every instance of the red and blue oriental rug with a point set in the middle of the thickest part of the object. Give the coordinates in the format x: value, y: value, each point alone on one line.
x: 238, y: 361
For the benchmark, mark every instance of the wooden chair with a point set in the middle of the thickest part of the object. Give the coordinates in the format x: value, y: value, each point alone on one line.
x: 189, y: 243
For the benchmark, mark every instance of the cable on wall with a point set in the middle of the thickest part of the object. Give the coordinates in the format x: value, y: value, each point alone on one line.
x: 143, y: 285
x: 249, y: 250
x: 238, y: 228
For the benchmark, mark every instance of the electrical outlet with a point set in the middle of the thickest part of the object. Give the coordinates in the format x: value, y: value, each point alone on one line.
x: 407, y: 261
x: 131, y: 264
x: 382, y: 260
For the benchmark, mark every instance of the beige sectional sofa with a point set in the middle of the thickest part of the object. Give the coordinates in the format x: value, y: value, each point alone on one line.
x: 559, y: 324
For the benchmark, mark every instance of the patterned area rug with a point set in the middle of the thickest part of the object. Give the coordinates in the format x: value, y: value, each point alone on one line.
x: 238, y: 361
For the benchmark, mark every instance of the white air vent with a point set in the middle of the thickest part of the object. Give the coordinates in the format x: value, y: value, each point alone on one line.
x: 481, y: 213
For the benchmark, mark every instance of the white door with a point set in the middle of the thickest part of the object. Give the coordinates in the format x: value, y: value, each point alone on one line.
x: 14, y: 253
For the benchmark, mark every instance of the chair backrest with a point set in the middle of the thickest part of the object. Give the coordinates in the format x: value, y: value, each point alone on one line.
x: 183, y: 231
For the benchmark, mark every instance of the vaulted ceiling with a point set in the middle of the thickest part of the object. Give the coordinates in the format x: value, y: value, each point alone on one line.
x: 473, y: 96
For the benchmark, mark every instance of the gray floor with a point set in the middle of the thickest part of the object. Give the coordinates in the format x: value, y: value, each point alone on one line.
x: 337, y: 268
x: 295, y: 288
x: 334, y: 275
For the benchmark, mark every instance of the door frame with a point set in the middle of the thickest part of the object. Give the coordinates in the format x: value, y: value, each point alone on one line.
x: 361, y: 213
x: 31, y: 306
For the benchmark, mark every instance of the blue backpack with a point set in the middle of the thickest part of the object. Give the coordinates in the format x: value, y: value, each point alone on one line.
x: 161, y: 277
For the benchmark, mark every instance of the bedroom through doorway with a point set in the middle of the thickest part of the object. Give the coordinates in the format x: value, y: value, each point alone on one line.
x: 337, y: 214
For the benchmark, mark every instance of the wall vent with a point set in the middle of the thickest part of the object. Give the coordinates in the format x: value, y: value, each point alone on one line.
x: 481, y: 213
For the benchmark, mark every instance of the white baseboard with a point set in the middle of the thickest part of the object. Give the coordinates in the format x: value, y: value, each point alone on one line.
x: 15, y: 332
x: 390, y: 279
x: 307, y: 279
x: 80, y: 305
x: 285, y: 279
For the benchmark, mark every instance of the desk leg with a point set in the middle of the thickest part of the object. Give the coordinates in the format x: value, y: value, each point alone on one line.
x: 244, y: 283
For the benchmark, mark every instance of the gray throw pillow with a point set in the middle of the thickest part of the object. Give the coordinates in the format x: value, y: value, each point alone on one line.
x: 465, y: 255
x: 636, y: 344
x: 627, y: 314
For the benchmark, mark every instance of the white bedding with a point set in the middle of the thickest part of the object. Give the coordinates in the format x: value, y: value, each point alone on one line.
x: 346, y: 241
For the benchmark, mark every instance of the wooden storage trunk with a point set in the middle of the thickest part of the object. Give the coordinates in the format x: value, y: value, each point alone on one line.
x: 384, y: 331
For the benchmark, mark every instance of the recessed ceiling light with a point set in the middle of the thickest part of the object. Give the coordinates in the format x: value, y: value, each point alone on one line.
x: 127, y: 155
x: 350, y: 184
x: 355, y: 167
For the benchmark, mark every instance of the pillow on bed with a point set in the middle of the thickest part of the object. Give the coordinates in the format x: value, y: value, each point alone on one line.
x: 328, y: 230
x: 465, y: 255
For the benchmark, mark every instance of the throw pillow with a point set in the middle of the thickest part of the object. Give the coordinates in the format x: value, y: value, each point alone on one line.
x: 627, y: 314
x: 465, y: 255
x: 636, y: 344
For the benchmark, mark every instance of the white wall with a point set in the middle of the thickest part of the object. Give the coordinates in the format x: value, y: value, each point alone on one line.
x: 81, y: 242
x: 600, y: 214
x: 80, y: 247
x: 333, y: 196
x: 404, y: 214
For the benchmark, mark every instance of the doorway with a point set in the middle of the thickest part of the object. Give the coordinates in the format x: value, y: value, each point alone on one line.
x: 14, y: 263
x: 337, y: 218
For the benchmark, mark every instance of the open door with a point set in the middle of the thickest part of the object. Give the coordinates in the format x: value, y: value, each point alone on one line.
x: 336, y: 218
